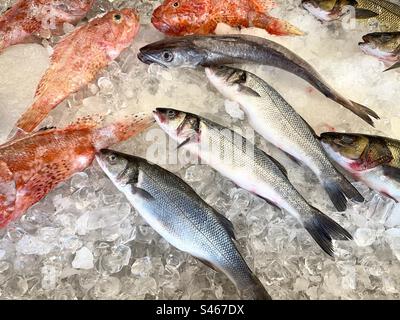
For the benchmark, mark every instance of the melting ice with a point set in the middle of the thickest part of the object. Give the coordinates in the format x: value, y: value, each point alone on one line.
x: 84, y: 240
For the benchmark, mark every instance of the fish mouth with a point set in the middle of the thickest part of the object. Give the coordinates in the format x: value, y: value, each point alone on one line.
x: 148, y: 59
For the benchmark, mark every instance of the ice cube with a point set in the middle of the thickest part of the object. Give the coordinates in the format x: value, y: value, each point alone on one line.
x: 83, y: 259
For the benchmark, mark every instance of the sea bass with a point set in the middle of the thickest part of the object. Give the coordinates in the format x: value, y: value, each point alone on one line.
x: 185, y: 17
x: 372, y: 159
x: 34, y: 165
x: 386, y: 12
x: 192, y: 51
x: 39, y: 18
x: 250, y: 168
x: 173, y: 209
x: 383, y: 45
x: 77, y: 59
x: 274, y: 119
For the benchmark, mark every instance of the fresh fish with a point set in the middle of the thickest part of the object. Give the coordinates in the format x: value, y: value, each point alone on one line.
x: 39, y: 18
x: 185, y: 17
x: 372, y: 159
x: 77, y: 59
x: 383, y: 45
x: 192, y: 51
x: 34, y: 165
x: 275, y: 120
x: 250, y: 168
x: 386, y: 12
x: 172, y: 208
x: 327, y: 10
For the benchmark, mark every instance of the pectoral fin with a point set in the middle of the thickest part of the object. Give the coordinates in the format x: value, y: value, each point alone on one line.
x: 392, y: 172
x: 365, y: 14
x: 142, y: 193
x: 248, y: 91
x: 395, y: 66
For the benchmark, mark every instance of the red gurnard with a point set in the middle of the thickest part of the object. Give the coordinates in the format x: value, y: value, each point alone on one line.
x: 185, y: 17
x: 77, y: 60
x: 32, y: 166
x: 39, y: 18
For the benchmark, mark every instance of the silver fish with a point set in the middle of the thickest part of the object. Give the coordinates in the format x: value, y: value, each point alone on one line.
x: 250, y: 168
x: 274, y: 119
x: 192, y: 51
x: 180, y: 216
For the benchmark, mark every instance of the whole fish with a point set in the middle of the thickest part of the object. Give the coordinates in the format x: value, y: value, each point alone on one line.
x: 386, y: 12
x: 185, y: 17
x: 180, y: 216
x: 27, y: 19
x: 192, y: 51
x: 34, y: 165
x: 250, y: 168
x: 383, y: 45
x: 274, y: 119
x: 372, y: 159
x: 77, y: 59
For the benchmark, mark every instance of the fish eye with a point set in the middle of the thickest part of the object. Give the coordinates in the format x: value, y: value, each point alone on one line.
x: 167, y: 56
x: 112, y: 159
x: 192, y: 121
x: 243, y: 77
x: 175, y: 4
x: 117, y: 17
x: 171, y: 114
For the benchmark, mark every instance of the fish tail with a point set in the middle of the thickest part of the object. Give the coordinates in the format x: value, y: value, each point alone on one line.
x: 122, y: 130
x: 254, y: 290
x: 363, y: 112
x: 275, y: 26
x: 323, y: 230
x: 339, y: 190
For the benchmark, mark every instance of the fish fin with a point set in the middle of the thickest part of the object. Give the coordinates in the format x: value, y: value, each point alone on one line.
x: 142, y: 193
x: 208, y: 264
x: 16, y: 133
x: 269, y: 202
x: 8, y: 193
x: 338, y: 188
x: 395, y: 66
x: 273, y: 25
x: 228, y: 225
x: 295, y: 160
x: 248, y: 91
x: 323, y: 230
x: 365, y: 14
x: 363, y: 112
x: 392, y: 172
x: 185, y: 142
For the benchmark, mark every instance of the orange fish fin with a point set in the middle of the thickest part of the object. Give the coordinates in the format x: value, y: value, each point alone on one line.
x: 274, y: 26
x: 263, y: 6
x: 92, y: 121
x: 8, y: 193
x: 122, y: 130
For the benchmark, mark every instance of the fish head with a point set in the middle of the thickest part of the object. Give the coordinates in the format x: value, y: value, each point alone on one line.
x: 173, y: 53
x: 116, y: 30
x: 117, y: 166
x: 345, y: 149
x: 180, y: 126
x: 181, y: 17
x: 231, y: 82
x: 383, y: 45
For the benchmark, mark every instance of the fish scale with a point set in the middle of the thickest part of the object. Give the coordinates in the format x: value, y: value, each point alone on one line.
x: 182, y: 218
x: 389, y: 13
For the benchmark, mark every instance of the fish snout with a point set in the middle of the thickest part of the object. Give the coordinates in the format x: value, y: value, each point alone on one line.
x: 145, y: 58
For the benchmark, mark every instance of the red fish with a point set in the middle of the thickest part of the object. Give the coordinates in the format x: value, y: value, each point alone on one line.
x: 39, y: 18
x: 77, y: 59
x: 185, y: 17
x: 32, y: 166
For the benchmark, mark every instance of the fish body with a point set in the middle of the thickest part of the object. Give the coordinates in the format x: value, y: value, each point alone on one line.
x: 192, y: 51
x: 186, y: 17
x: 327, y: 10
x: 374, y: 160
x: 39, y: 18
x: 35, y: 164
x: 383, y: 45
x: 250, y: 168
x: 181, y: 217
x: 386, y: 12
x: 274, y: 119
x: 77, y: 59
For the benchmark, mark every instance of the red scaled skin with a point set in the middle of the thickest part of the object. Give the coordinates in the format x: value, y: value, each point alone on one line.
x: 39, y: 18
x: 34, y: 165
x: 77, y: 60
x: 185, y: 17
